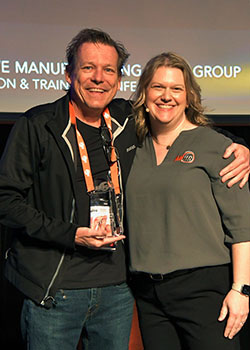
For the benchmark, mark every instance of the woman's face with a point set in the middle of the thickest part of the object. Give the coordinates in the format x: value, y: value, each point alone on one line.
x: 166, y: 96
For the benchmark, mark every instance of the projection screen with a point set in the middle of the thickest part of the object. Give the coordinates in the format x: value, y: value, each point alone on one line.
x: 214, y: 36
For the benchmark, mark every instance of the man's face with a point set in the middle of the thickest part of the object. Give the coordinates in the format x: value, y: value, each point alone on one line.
x: 94, y: 81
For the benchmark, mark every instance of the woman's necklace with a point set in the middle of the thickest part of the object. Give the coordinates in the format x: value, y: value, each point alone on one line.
x: 160, y: 144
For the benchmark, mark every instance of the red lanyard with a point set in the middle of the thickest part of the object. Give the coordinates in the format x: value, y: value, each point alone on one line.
x: 84, y: 154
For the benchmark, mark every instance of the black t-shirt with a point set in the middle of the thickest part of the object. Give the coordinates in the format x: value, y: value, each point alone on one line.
x: 90, y: 268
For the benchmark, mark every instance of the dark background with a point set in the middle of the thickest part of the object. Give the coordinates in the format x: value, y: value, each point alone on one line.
x: 11, y: 299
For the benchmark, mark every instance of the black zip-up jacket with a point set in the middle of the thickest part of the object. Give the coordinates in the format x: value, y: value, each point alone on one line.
x: 37, y: 189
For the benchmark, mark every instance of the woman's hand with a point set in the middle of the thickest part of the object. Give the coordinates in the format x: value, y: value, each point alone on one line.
x: 239, y: 169
x: 236, y: 307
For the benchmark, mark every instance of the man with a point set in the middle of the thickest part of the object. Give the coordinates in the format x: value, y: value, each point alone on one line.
x: 69, y: 285
x: 70, y: 267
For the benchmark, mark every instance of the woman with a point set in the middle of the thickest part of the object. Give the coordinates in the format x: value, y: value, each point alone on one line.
x: 184, y: 223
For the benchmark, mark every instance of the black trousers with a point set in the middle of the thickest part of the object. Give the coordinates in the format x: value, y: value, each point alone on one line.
x: 181, y: 311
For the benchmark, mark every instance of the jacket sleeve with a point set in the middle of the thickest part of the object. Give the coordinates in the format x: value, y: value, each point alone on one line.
x: 17, y: 168
x: 234, y: 138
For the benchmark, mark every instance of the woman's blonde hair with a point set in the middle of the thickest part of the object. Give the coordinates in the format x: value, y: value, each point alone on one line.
x: 194, y: 111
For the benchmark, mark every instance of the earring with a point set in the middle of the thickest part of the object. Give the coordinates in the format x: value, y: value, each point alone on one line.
x: 147, y: 109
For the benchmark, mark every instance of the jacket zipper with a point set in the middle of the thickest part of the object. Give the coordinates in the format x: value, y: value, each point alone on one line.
x: 115, y: 135
x: 47, y: 296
